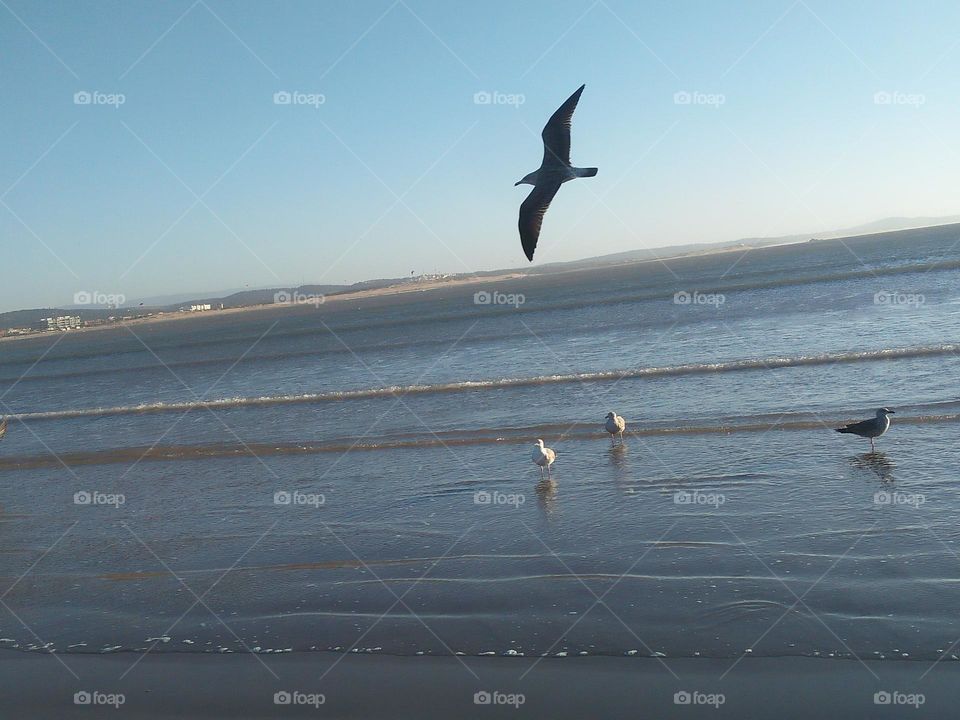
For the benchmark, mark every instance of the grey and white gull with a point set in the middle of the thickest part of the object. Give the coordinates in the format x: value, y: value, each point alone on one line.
x: 872, y: 428
x: 554, y: 170
x: 543, y: 456
x: 615, y: 425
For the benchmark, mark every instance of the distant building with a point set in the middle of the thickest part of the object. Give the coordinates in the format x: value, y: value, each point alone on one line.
x: 200, y: 308
x: 61, y: 322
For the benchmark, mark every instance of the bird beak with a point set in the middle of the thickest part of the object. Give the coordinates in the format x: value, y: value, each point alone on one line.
x: 516, y: 183
x: 891, y: 412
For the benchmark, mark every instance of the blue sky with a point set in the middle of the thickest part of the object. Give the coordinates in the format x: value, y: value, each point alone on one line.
x: 200, y: 181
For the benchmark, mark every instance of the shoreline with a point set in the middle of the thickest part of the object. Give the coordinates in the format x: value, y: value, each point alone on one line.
x: 462, y: 280
x: 174, y: 316
x: 167, y: 685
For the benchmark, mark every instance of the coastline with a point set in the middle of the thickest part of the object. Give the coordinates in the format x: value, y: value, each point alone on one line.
x: 183, y: 685
x: 405, y: 288
x: 172, y: 316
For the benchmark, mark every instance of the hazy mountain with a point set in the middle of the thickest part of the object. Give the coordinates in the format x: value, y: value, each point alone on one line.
x: 892, y: 224
x: 262, y: 296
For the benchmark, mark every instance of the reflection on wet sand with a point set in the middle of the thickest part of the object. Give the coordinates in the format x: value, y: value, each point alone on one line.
x: 876, y: 462
x: 620, y: 466
x: 547, y: 496
x: 618, y: 456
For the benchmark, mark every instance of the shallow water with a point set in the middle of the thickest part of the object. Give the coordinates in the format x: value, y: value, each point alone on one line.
x: 733, y: 519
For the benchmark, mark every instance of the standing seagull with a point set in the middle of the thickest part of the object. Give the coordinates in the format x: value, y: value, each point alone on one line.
x: 615, y: 425
x: 872, y: 428
x: 553, y: 172
x: 544, y: 457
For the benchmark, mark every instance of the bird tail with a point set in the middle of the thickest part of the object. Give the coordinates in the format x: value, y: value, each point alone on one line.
x: 841, y: 430
x: 585, y: 172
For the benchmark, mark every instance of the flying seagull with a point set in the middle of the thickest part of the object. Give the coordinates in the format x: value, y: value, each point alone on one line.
x: 615, y: 426
x: 543, y: 456
x: 870, y: 429
x: 553, y: 172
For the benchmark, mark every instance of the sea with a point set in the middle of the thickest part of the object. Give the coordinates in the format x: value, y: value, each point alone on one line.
x: 355, y: 476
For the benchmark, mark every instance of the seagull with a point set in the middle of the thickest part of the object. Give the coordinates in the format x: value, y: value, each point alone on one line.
x: 870, y: 429
x: 553, y: 172
x: 615, y: 426
x: 543, y: 456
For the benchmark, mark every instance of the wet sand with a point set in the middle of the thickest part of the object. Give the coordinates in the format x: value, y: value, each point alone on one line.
x: 401, y: 288
x: 358, y: 686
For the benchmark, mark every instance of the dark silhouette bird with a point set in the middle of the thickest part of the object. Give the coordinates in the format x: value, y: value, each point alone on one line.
x: 872, y: 428
x: 552, y: 173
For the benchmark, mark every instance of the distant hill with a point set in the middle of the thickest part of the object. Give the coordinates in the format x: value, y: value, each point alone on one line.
x: 266, y: 296
x: 880, y: 226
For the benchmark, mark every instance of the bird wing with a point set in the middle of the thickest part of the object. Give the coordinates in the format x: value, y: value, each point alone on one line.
x: 859, y: 427
x: 3, y: 427
x: 532, y: 211
x: 556, y: 133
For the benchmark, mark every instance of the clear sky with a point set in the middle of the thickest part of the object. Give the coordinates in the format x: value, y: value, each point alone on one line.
x: 200, y: 181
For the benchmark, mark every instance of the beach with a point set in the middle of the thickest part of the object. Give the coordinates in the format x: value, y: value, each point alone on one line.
x: 350, y: 483
x: 401, y: 288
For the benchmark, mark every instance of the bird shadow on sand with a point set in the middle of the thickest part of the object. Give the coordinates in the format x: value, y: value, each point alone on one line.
x: 547, y: 496
x: 876, y: 462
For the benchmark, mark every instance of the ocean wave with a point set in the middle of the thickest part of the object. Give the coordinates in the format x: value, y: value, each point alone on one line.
x: 932, y: 413
x: 467, y: 313
x: 769, y: 363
